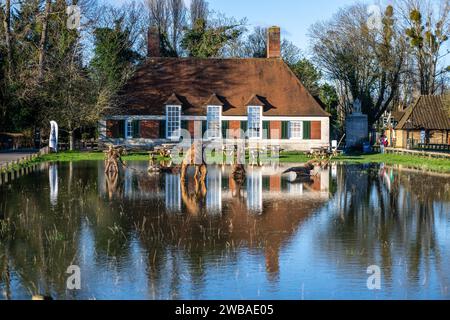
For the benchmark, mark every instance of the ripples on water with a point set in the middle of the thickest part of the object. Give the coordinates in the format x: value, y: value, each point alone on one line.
x: 141, y: 236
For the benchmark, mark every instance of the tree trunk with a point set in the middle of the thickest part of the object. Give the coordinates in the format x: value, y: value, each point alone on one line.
x: 7, y: 27
x: 43, y: 41
x: 71, y: 140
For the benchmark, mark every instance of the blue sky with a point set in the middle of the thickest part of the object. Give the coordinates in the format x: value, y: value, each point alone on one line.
x: 293, y: 16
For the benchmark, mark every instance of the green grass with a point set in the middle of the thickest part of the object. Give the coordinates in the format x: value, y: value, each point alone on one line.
x: 409, y: 161
x: 67, y: 156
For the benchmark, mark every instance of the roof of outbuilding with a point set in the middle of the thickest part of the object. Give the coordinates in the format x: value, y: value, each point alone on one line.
x: 428, y: 112
x: 232, y: 82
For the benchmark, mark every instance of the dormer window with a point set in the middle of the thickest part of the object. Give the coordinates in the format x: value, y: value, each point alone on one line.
x: 254, y: 122
x: 173, y: 118
x: 214, y: 122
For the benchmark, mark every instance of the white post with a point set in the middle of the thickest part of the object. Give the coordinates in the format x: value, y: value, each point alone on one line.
x: 102, y: 130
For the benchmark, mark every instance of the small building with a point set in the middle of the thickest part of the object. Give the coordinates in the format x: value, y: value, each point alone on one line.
x: 427, y: 121
x: 256, y: 99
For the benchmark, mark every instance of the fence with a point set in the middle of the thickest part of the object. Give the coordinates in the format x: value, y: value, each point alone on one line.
x: 421, y: 153
x: 19, y: 167
x: 433, y: 147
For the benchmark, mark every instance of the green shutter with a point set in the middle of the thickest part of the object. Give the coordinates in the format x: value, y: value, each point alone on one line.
x: 136, y: 129
x: 306, y: 130
x: 225, y: 127
x: 204, y: 127
x: 184, y: 125
x: 244, y: 128
x: 266, y: 183
x: 285, y: 130
x: 121, y: 133
x: 162, y: 129
x: 266, y: 129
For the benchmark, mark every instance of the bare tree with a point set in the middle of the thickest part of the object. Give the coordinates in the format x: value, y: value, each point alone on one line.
x: 178, y: 21
x: 199, y: 10
x: 427, y: 25
x: 159, y: 14
x: 367, y: 63
x: 169, y: 18
x: 7, y: 27
x: 43, y: 40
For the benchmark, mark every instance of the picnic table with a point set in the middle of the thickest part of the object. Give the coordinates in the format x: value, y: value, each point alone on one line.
x: 320, y: 152
x: 165, y: 150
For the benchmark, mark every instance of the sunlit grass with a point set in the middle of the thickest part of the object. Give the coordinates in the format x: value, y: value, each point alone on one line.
x: 410, y: 161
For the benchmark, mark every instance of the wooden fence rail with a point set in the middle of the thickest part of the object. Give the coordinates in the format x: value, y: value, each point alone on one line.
x: 421, y: 153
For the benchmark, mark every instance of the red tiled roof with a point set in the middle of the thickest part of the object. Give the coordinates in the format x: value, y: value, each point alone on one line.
x: 214, y: 101
x: 173, y: 100
x: 233, y: 81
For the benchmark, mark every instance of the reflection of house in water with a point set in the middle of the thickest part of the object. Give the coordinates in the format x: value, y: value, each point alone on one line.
x: 53, y: 181
x: 173, y: 192
x: 254, y: 191
x: 214, y: 191
x: 262, y: 216
x: 261, y: 184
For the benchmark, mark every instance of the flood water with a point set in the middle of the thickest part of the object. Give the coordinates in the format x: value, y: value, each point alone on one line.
x: 141, y: 236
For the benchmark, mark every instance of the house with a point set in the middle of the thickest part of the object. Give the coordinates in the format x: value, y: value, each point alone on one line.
x: 427, y: 121
x: 259, y: 100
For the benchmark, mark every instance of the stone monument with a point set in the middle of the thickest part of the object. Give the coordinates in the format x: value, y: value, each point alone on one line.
x: 357, y: 127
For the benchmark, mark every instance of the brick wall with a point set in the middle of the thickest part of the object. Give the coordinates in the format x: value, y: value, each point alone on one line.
x: 275, y: 129
x: 149, y: 129
x: 316, y: 129
x: 235, y: 127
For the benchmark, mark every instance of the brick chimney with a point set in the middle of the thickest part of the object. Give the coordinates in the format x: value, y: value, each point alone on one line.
x: 153, y: 44
x: 273, y: 43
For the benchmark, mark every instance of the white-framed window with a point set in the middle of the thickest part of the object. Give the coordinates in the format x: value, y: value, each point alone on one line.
x: 254, y: 122
x: 128, y: 129
x: 173, y: 118
x: 295, y: 129
x: 214, y: 122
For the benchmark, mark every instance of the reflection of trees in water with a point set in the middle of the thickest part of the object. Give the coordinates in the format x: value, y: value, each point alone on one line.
x: 46, y: 236
x: 43, y: 242
x: 387, y: 218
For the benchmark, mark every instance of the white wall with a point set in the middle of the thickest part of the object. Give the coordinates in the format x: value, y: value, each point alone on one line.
x: 290, y: 145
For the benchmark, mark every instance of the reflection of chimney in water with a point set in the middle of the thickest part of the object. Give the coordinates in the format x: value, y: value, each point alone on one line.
x: 272, y: 262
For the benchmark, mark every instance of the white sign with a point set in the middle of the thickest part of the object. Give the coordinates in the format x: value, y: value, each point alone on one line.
x: 423, y: 136
x: 53, y: 141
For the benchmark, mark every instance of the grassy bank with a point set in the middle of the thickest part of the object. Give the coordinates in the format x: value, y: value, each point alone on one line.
x: 413, y: 162
x: 409, y: 161
x: 87, y: 156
